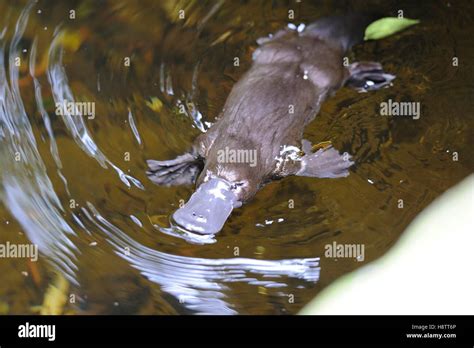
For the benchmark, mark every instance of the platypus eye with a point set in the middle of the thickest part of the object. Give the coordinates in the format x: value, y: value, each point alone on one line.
x: 237, y: 185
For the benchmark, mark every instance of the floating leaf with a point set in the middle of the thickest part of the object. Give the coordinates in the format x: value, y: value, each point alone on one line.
x: 387, y: 26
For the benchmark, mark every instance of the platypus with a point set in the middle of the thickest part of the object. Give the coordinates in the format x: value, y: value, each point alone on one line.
x: 293, y: 72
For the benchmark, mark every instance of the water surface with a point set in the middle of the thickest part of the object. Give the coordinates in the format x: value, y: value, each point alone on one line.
x: 76, y: 186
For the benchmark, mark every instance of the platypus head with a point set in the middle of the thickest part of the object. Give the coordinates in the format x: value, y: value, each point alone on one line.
x: 221, y: 187
x: 208, y: 208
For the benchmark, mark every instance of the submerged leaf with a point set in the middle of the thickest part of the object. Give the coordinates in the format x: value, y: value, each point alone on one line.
x: 160, y: 220
x: 321, y: 145
x: 71, y: 40
x: 155, y: 104
x: 56, y: 297
x: 387, y: 26
x: 4, y: 308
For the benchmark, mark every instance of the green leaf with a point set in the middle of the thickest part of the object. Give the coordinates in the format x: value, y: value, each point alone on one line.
x: 387, y: 26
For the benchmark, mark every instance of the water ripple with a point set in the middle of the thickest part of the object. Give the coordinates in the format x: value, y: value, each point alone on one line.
x: 25, y: 186
x: 199, y: 282
x: 75, y: 124
x: 201, y: 285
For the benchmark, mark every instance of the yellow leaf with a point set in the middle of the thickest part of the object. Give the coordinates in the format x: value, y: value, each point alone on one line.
x: 155, y: 104
x: 56, y: 297
x: 4, y: 308
x: 71, y: 40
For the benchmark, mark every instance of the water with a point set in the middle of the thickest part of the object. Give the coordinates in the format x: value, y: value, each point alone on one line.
x: 76, y: 185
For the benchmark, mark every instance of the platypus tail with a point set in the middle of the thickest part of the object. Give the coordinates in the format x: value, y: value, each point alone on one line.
x: 346, y: 30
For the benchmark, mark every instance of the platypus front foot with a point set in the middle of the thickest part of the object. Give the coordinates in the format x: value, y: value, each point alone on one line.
x: 324, y: 163
x: 182, y: 170
x: 367, y: 76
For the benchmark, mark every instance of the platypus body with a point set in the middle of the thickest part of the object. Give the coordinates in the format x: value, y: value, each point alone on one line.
x: 293, y: 73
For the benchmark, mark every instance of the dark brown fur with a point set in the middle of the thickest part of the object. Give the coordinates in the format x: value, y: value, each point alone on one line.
x: 257, y: 114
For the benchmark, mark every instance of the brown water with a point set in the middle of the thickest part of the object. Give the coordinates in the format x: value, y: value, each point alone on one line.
x: 109, y: 242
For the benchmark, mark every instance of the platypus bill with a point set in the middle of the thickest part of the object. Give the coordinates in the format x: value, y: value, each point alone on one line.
x: 293, y: 73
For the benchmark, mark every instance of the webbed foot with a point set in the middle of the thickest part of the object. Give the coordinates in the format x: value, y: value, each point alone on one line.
x: 368, y: 76
x: 182, y: 170
x: 324, y: 163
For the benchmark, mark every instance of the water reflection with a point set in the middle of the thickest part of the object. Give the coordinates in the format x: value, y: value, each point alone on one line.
x: 77, y: 184
x: 26, y: 188
x: 198, y: 283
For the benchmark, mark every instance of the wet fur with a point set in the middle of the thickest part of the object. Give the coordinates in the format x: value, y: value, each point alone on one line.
x: 256, y: 114
x: 290, y: 68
